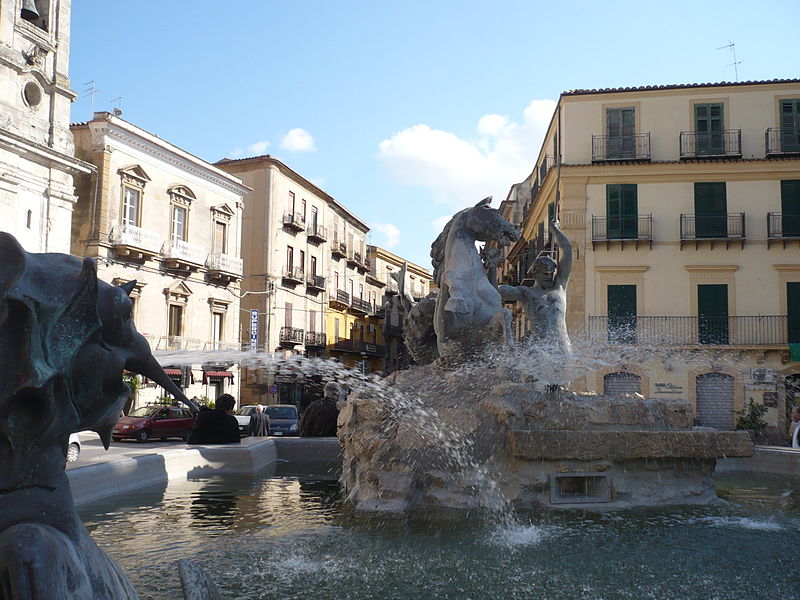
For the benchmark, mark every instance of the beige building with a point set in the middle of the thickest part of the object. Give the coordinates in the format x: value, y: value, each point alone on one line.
x: 683, y: 206
x: 383, y: 264
x: 305, y: 277
x: 37, y: 161
x: 156, y: 214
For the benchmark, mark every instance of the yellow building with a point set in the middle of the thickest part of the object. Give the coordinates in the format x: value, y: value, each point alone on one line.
x: 682, y: 203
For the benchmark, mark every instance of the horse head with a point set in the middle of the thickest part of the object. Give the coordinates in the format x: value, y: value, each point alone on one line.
x: 486, y: 223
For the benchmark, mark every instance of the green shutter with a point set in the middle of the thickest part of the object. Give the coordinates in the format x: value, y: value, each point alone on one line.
x: 793, y: 311
x: 711, y: 209
x: 712, y: 312
x: 790, y: 207
x: 709, y: 125
x: 622, y: 209
x: 620, y: 129
x: 622, y: 314
x: 790, y: 125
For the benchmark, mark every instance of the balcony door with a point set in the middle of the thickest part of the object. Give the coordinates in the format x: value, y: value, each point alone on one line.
x: 710, y: 210
x: 622, y: 209
x: 712, y: 313
x: 793, y: 311
x: 708, y: 123
x: 620, y: 128
x: 622, y: 314
x: 790, y: 208
x: 790, y: 125
x: 220, y: 237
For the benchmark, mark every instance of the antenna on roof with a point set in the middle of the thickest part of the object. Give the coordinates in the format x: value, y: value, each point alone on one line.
x: 118, y: 107
x: 90, y: 91
x: 735, y: 64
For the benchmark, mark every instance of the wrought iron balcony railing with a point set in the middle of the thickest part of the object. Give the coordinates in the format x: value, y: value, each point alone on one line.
x: 315, y: 339
x: 180, y: 252
x: 622, y: 228
x: 783, y: 226
x: 317, y: 233
x: 339, y: 297
x: 291, y: 335
x: 620, y: 147
x: 294, y: 220
x: 338, y: 249
x: 782, y: 140
x: 294, y: 274
x: 359, y: 347
x: 548, y: 162
x: 712, y: 227
x: 316, y: 282
x: 361, y: 306
x: 135, y: 237
x: 698, y: 144
x: 766, y: 330
x: 225, y: 263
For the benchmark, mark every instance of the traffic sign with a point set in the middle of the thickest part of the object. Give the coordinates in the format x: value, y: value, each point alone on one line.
x: 273, y: 389
x: 254, y: 329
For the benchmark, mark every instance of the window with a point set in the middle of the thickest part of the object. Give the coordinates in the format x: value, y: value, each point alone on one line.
x: 790, y: 125
x: 217, y: 323
x: 620, y: 124
x: 314, y: 218
x: 350, y: 288
x: 709, y: 129
x: 287, y: 318
x: 36, y: 12
x: 621, y: 314
x: 179, y: 219
x: 131, y: 201
x: 303, y: 208
x: 790, y: 207
x: 302, y: 264
x: 793, y: 311
x: 312, y: 321
x: 313, y: 266
x: 175, y: 325
x: 289, y: 258
x: 361, y: 291
x: 220, y: 237
x: 336, y: 281
x: 291, y: 202
x: 711, y: 210
x: 622, y: 211
x: 336, y: 329
x: 712, y: 313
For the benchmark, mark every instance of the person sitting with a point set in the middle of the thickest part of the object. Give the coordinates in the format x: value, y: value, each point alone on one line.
x: 319, y: 419
x: 259, y: 422
x: 217, y: 426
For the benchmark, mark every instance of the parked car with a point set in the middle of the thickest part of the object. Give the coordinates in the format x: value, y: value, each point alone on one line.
x: 155, y: 421
x: 73, y: 447
x: 283, y: 419
x: 243, y: 418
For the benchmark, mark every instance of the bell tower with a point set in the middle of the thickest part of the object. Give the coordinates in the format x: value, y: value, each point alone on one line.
x: 36, y: 147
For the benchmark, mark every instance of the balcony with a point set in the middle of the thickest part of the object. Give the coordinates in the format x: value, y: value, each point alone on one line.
x: 338, y: 249
x: 290, y: 336
x: 177, y: 254
x: 783, y: 227
x: 548, y: 162
x: 767, y: 330
x: 134, y: 243
x: 224, y: 267
x: 293, y: 275
x: 339, y: 299
x: 606, y: 148
x: 315, y: 339
x: 359, y: 347
x: 317, y: 233
x: 179, y: 342
x: 711, y: 144
x: 294, y: 221
x: 361, y: 307
x: 353, y: 259
x: 712, y: 228
x: 315, y: 283
x: 782, y: 141
x: 635, y: 230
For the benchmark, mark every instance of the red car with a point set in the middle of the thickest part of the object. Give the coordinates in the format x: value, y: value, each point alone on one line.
x: 149, y: 422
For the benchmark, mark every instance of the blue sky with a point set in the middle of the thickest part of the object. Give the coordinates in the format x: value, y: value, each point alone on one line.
x: 404, y: 112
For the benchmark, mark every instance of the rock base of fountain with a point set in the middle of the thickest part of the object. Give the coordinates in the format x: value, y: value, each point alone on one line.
x: 450, y: 439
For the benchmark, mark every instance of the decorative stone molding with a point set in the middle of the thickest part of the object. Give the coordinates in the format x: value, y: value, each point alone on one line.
x: 219, y: 305
x: 137, y: 287
x: 180, y: 194
x: 178, y: 293
x: 134, y: 176
x: 222, y: 212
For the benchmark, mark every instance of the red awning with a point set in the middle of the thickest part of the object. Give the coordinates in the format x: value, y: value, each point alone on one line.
x: 216, y: 375
x: 173, y: 372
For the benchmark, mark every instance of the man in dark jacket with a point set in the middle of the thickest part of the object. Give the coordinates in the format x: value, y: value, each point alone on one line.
x: 259, y: 422
x: 319, y: 419
x: 217, y: 426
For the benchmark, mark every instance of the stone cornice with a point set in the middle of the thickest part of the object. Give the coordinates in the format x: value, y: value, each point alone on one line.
x: 622, y: 269
x: 124, y: 132
x: 42, y: 154
x: 711, y: 268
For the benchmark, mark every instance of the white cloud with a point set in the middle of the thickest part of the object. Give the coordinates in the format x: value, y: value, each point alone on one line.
x: 259, y: 147
x: 236, y: 153
x: 390, y: 232
x: 460, y: 172
x: 298, y: 140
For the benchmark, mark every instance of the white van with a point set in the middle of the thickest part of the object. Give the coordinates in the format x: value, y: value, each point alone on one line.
x: 73, y: 447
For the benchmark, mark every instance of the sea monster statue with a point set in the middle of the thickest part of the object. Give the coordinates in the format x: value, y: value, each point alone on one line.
x: 65, y: 338
x: 468, y: 312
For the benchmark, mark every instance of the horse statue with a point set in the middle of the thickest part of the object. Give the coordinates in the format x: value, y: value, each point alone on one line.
x: 469, y: 312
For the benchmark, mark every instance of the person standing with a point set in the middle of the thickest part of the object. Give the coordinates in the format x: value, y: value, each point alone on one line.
x: 319, y: 419
x: 259, y: 422
x: 794, y: 426
x: 217, y: 426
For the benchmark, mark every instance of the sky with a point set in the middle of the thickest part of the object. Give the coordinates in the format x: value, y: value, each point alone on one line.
x: 405, y: 112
